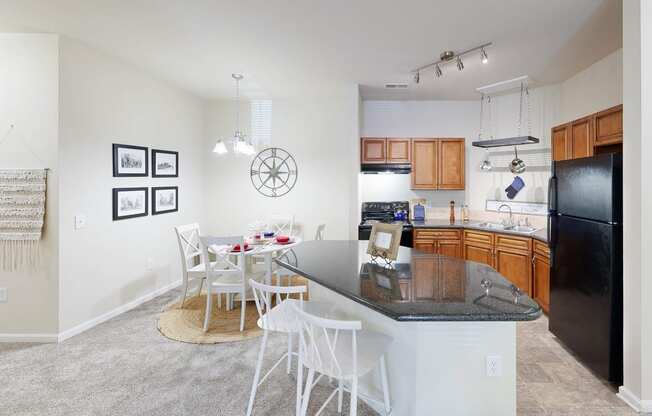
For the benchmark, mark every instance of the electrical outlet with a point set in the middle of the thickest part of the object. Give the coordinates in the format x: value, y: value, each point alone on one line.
x: 494, y: 366
x: 150, y: 264
x: 3, y: 294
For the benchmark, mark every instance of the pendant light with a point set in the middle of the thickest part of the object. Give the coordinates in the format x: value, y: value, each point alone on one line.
x: 239, y: 140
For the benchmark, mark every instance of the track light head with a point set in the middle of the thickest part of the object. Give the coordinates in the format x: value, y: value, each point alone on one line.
x: 460, y: 64
x: 483, y: 56
x: 416, y: 77
x: 438, y: 72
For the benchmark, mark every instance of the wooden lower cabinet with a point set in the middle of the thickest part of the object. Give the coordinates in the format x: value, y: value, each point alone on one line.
x: 541, y: 275
x: 446, y: 242
x: 479, y: 253
x: 516, y: 266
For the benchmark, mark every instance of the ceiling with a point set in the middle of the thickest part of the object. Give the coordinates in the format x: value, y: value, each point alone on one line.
x: 288, y: 48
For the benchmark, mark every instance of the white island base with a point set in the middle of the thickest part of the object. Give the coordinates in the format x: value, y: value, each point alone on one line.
x: 438, y: 368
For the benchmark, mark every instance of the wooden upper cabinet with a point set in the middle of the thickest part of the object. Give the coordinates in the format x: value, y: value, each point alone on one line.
x: 399, y: 150
x: 582, y: 137
x: 438, y: 163
x: 451, y: 164
x: 424, y: 163
x: 609, y: 126
x: 373, y: 150
x: 561, y: 148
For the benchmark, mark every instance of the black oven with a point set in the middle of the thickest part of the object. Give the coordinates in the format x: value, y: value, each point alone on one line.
x: 406, y: 235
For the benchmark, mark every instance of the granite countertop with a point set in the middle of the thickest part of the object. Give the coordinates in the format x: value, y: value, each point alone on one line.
x: 418, y: 287
x: 540, y: 234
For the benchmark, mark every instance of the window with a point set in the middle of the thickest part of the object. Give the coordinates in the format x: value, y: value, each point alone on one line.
x: 261, y: 123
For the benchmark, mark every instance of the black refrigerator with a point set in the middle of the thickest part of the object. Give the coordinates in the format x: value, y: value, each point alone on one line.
x: 586, y: 276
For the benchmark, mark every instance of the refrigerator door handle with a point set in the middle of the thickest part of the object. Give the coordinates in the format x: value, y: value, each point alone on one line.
x: 552, y: 194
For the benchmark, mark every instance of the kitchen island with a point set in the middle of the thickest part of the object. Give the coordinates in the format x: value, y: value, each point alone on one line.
x: 448, y: 318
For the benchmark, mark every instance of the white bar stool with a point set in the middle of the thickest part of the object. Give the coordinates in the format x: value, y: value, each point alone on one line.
x: 343, y: 351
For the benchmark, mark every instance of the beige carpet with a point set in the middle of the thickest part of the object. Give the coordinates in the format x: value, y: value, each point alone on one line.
x: 187, y: 324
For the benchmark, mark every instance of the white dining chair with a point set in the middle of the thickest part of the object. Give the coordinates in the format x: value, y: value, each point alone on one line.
x: 341, y: 350
x: 276, y: 313
x: 191, y: 265
x: 320, y: 234
x: 224, y: 275
x: 282, y: 224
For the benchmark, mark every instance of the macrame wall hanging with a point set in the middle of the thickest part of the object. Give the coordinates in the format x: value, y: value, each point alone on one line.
x: 22, y: 209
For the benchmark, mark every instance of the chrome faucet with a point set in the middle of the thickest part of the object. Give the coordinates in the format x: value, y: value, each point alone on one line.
x: 511, y: 218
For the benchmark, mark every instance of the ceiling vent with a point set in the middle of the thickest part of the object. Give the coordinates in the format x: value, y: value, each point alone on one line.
x: 396, y: 86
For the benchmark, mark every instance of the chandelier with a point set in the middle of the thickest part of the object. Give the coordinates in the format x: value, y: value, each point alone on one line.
x: 238, y: 142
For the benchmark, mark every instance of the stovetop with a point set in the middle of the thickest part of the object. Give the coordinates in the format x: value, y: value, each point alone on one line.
x: 374, y: 212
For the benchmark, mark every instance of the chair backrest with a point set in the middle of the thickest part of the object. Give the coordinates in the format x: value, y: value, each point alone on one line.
x: 189, y: 245
x: 281, y: 224
x: 321, y: 345
x: 263, y: 295
x: 222, y: 248
x: 320, y: 234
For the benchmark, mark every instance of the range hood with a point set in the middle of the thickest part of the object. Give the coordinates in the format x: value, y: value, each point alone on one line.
x: 395, y: 168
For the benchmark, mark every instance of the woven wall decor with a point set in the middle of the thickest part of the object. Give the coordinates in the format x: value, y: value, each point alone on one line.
x: 22, y: 208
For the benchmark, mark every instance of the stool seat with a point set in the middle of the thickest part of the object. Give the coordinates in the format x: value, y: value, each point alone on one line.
x: 283, y: 318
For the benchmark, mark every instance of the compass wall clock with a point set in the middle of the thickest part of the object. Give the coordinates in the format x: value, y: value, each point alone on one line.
x: 273, y: 172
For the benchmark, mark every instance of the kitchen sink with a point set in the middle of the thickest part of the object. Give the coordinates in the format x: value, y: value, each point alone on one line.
x: 493, y: 226
x: 522, y: 229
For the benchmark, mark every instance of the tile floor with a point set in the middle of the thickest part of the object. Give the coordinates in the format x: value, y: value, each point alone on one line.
x: 125, y: 367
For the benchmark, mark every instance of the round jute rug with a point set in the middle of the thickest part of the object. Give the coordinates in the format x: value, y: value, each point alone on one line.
x: 187, y: 324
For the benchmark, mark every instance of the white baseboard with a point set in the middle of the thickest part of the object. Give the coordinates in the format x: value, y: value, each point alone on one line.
x: 42, y: 338
x: 641, y: 406
x: 115, y: 312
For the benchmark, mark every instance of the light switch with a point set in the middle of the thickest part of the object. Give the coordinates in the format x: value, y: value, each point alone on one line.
x: 80, y: 221
x: 3, y: 294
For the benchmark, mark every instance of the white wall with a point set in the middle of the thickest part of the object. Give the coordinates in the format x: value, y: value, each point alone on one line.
x: 320, y: 133
x: 105, y: 101
x: 29, y: 99
x: 596, y: 88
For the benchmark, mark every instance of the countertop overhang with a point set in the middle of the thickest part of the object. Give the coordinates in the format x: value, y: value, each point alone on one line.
x: 418, y: 286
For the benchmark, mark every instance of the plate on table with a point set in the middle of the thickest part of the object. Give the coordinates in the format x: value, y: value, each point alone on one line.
x: 238, y: 250
x: 283, y: 243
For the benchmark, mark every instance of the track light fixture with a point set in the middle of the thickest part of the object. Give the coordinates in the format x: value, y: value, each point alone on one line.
x: 483, y: 56
x: 438, y: 72
x: 450, y: 56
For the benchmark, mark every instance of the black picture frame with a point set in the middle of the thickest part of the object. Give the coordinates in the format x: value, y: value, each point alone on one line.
x: 116, y: 165
x: 155, y: 211
x: 155, y: 153
x: 115, y: 196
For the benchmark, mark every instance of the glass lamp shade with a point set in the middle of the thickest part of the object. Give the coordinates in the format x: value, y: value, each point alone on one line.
x: 220, y: 148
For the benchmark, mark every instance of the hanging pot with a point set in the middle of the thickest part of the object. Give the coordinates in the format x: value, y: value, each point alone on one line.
x: 517, y: 166
x: 486, y: 163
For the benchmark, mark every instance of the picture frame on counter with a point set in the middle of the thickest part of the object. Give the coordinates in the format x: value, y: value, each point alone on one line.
x: 165, y: 164
x: 130, y: 203
x: 384, y: 241
x: 165, y: 199
x: 130, y: 161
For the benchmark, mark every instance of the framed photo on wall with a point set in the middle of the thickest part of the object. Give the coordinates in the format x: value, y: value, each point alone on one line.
x: 130, y: 161
x: 165, y: 164
x: 165, y: 199
x: 129, y: 203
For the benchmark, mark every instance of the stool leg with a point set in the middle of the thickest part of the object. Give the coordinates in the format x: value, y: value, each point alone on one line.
x: 340, y: 394
x: 306, y: 393
x: 354, y: 396
x: 383, y: 376
x: 299, y: 383
x: 259, y: 365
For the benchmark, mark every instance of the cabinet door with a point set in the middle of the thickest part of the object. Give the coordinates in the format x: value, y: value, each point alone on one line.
x: 450, y: 248
x: 373, y: 150
x: 541, y: 280
x: 609, y: 126
x: 561, y: 142
x: 516, y: 267
x: 424, y: 164
x: 399, y: 150
x: 424, y: 279
x: 425, y: 246
x: 582, y: 137
x: 452, y: 281
x: 479, y: 253
x: 451, y: 164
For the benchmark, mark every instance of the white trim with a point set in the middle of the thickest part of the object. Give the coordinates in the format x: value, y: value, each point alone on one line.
x: 117, y: 311
x: 641, y: 406
x: 28, y: 338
